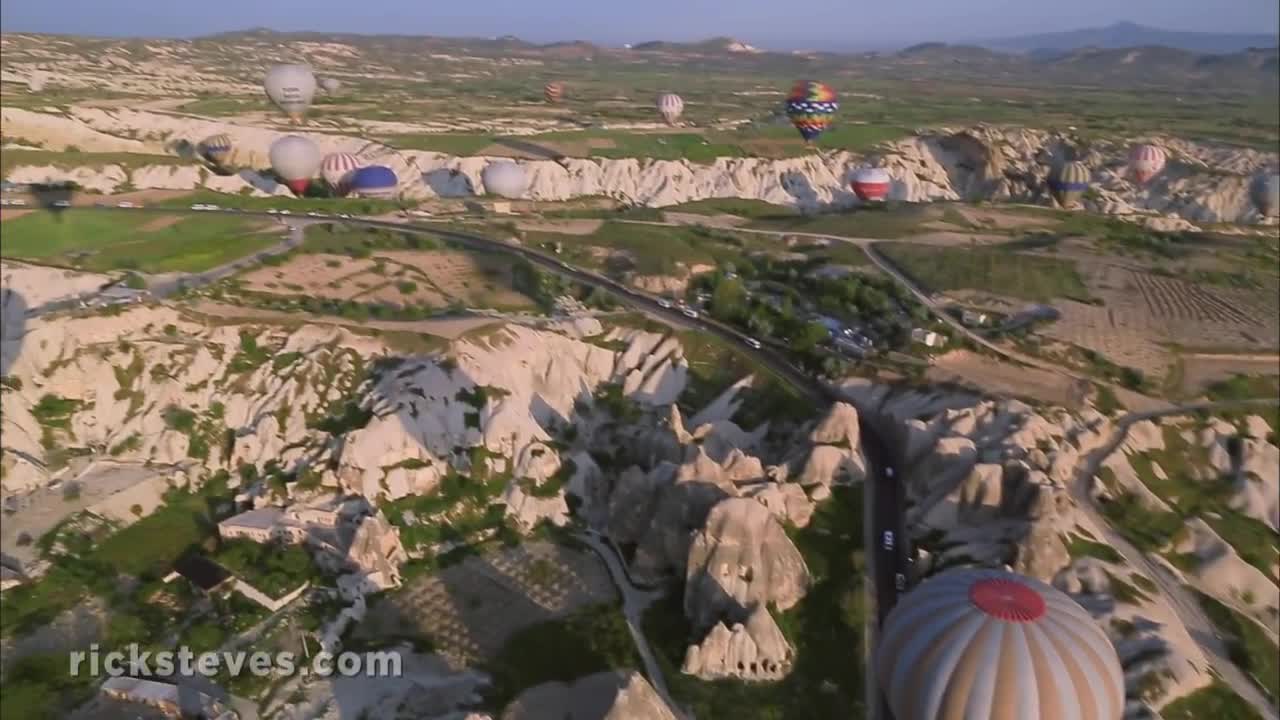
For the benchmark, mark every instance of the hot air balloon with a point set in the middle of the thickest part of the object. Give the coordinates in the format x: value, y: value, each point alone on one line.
x: 1069, y: 183
x: 670, y: 107
x: 1266, y: 194
x: 505, y: 179
x: 291, y: 87
x: 553, y: 92
x: 811, y: 107
x: 998, y: 646
x: 330, y: 85
x: 1146, y: 162
x: 216, y: 148
x: 296, y: 160
x: 336, y: 170
x: 374, y: 181
x: 871, y: 183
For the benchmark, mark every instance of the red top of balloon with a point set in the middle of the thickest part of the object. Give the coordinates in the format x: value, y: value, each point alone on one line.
x: 1007, y: 600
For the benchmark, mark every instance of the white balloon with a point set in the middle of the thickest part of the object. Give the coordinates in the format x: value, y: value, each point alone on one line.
x: 291, y: 87
x: 295, y: 158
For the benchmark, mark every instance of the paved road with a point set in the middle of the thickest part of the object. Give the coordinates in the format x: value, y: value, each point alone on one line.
x: 1183, y: 602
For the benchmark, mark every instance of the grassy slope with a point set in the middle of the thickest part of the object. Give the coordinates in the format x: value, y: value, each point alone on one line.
x: 116, y: 240
x: 998, y: 271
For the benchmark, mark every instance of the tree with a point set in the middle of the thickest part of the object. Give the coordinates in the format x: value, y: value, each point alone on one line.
x: 810, y: 336
x: 729, y: 300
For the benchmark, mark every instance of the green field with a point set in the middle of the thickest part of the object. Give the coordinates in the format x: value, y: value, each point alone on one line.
x: 993, y: 270
x: 95, y: 240
x: 350, y: 206
x: 1247, y: 644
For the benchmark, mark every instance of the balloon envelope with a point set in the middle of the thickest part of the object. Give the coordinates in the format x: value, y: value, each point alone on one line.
x: 291, y: 88
x: 506, y: 179
x: 296, y: 160
x: 337, y: 168
x: 374, y: 181
x: 811, y: 106
x: 1070, y: 182
x: 998, y: 646
x: 871, y: 183
x: 670, y: 107
x: 216, y: 148
x: 1146, y: 161
x: 553, y: 92
x: 330, y: 85
x: 1266, y: 194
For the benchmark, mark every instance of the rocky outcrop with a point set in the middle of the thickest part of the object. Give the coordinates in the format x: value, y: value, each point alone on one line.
x: 619, y: 695
x: 1202, y: 183
x: 741, y: 558
x: 752, y: 650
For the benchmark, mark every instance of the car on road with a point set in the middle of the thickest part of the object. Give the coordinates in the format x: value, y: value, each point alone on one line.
x: 887, y: 540
x: 900, y: 581
x: 565, y: 265
x: 754, y: 343
x: 62, y: 203
x: 101, y: 204
x: 888, y: 472
x: 690, y: 313
x: 125, y: 204
x: 344, y: 216
x: 664, y: 304
x: 313, y: 214
x: 285, y: 212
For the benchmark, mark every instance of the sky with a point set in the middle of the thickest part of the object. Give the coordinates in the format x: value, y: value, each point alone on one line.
x: 772, y: 24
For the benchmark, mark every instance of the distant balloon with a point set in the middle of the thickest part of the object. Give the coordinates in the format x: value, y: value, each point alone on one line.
x: 553, y: 92
x: 811, y: 107
x: 670, y: 107
x: 291, y: 87
x: 35, y: 84
x: 1266, y: 194
x: 296, y: 160
x: 505, y: 179
x: 1146, y: 162
x: 330, y: 85
x: 993, y: 645
x: 871, y: 183
x: 336, y: 170
x: 1069, y: 183
x: 374, y: 181
x: 216, y: 148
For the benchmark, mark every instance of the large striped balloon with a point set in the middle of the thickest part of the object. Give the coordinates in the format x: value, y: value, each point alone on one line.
x: 216, y: 148
x: 1265, y: 192
x: 1070, y: 182
x: 811, y: 107
x: 871, y: 183
x: 336, y: 169
x: 969, y: 644
x: 670, y: 107
x: 553, y: 92
x: 1146, y: 161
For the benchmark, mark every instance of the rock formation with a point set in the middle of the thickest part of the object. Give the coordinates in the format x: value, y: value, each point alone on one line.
x: 622, y: 695
x: 754, y: 650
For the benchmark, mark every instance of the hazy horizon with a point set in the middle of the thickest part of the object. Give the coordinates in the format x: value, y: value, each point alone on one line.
x: 822, y: 24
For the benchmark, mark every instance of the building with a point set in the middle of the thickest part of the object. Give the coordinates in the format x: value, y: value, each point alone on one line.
x: 374, y: 557
x: 928, y: 338
x: 169, y: 699
x: 974, y: 318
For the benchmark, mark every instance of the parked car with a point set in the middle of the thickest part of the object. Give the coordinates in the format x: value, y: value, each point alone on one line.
x: 754, y: 343
x: 690, y: 313
x: 664, y: 304
x: 900, y: 582
x: 62, y: 203
x: 887, y: 540
x: 125, y: 204
x: 272, y: 211
x: 888, y: 472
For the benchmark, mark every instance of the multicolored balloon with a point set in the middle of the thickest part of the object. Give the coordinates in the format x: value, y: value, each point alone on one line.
x: 871, y: 183
x: 216, y: 148
x: 1069, y: 183
x: 553, y: 92
x: 1146, y: 161
x: 374, y: 181
x: 990, y: 644
x: 296, y: 160
x: 506, y: 179
x: 811, y: 106
x: 1265, y: 192
x: 670, y: 107
x: 337, y: 168
x: 291, y: 88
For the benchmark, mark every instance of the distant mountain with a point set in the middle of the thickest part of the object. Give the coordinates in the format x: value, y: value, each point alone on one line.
x: 712, y: 45
x: 1127, y: 34
x: 943, y: 52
